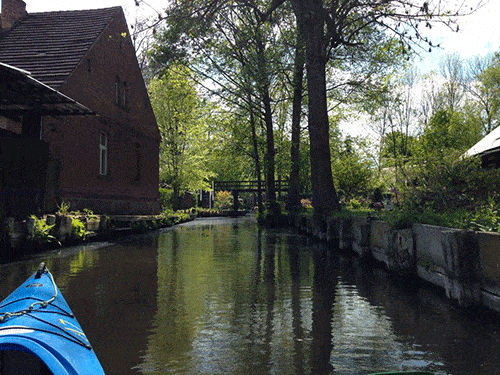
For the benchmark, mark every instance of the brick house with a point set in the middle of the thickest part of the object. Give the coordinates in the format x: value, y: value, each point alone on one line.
x: 107, y: 161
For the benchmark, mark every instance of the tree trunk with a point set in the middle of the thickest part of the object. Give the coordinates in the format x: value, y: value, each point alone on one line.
x: 256, y: 156
x: 298, y: 77
x: 268, y: 121
x: 310, y: 18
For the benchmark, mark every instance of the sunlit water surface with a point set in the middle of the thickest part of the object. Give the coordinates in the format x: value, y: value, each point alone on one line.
x: 220, y: 296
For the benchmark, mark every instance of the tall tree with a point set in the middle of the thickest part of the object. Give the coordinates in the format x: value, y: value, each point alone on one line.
x: 452, y: 68
x: 487, y: 89
x: 184, y: 147
x: 298, y: 77
x: 232, y: 49
x: 327, y: 25
x: 311, y: 21
x: 449, y: 132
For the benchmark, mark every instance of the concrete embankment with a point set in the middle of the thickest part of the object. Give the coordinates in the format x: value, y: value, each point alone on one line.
x: 36, y: 234
x: 465, y: 264
x: 33, y: 234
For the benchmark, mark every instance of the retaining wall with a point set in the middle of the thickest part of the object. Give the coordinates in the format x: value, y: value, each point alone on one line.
x: 20, y: 235
x: 465, y: 264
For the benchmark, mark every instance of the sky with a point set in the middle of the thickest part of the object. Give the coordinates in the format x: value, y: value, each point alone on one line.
x: 478, y: 33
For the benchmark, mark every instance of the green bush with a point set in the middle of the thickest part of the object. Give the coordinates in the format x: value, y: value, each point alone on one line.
x: 78, y: 231
x: 42, y: 232
x: 485, y: 218
x: 166, y: 198
x: 404, y: 217
x: 455, y: 192
x: 454, y: 183
x: 223, y: 200
x: 354, y: 204
x: 63, y: 208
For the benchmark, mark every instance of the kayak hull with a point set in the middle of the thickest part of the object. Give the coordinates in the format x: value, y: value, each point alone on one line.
x: 36, y: 333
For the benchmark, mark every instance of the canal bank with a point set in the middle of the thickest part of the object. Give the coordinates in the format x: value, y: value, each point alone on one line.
x: 33, y: 235
x: 465, y: 264
x: 36, y: 234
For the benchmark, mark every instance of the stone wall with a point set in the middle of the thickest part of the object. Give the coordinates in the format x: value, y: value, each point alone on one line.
x: 465, y: 264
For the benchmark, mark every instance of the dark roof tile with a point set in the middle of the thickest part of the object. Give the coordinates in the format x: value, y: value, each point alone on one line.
x: 50, y: 45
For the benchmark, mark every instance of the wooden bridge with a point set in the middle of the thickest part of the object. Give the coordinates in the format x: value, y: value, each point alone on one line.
x: 248, y: 186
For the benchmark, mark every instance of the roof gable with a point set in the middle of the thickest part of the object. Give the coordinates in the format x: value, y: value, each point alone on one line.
x: 490, y: 143
x: 50, y: 45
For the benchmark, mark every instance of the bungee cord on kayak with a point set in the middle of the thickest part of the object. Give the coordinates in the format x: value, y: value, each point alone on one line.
x: 41, y: 270
x: 31, y: 310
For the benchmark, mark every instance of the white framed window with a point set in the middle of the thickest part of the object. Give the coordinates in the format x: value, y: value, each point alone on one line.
x: 103, y: 154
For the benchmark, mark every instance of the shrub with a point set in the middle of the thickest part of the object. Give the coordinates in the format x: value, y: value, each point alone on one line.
x: 452, y: 184
x: 223, y: 200
x: 42, y: 232
x: 454, y: 192
x: 89, y: 214
x: 78, y: 231
x: 63, y: 208
x: 485, y: 218
x: 166, y: 198
x: 354, y: 204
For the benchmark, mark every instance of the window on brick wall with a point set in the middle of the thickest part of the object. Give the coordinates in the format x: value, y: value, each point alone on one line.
x: 124, y: 95
x: 117, y: 91
x: 103, y: 154
x: 121, y: 93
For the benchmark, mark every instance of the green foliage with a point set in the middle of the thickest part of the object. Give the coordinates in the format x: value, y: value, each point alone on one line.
x: 403, y: 217
x: 223, y: 200
x: 169, y: 217
x: 89, y: 214
x: 354, y: 204
x: 352, y: 171
x: 42, y: 232
x: 485, y: 218
x: 397, y: 148
x: 456, y: 192
x: 453, y: 183
x: 63, y: 208
x: 489, y: 90
x: 166, y: 198
x: 352, y: 176
x: 182, y: 123
x: 78, y: 231
x: 448, y: 132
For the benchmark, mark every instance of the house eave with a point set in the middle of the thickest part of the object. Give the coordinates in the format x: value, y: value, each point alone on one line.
x: 21, y: 93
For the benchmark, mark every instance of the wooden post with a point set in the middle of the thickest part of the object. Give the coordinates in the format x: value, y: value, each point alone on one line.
x: 236, y: 203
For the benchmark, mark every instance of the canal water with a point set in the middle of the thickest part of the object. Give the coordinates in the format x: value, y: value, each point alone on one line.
x: 220, y: 296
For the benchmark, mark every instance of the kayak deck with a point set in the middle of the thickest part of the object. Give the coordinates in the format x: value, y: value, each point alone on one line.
x: 37, y: 328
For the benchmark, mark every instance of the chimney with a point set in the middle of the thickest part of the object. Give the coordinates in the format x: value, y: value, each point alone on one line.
x: 12, y: 11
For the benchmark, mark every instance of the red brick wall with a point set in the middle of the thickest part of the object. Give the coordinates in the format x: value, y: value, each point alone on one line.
x: 132, y: 131
x: 74, y: 164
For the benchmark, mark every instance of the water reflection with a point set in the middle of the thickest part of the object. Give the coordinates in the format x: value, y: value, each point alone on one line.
x: 219, y: 296
x: 237, y: 300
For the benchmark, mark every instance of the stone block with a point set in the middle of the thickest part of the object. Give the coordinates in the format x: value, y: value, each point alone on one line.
x: 361, y: 235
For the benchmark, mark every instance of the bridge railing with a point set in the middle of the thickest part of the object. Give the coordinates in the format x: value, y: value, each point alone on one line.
x: 281, y: 185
